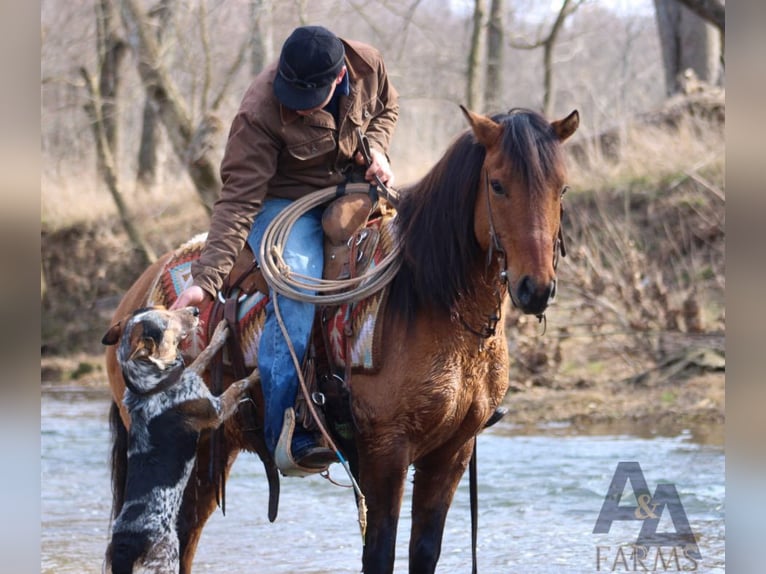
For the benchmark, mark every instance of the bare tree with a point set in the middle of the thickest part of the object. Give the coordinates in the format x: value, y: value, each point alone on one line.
x: 146, y: 173
x: 262, y: 34
x: 492, y: 89
x: 473, y: 75
x: 111, y: 52
x: 102, y: 111
x: 690, y: 46
x: 172, y: 109
x: 548, y: 43
x: 302, y: 6
x: 94, y: 108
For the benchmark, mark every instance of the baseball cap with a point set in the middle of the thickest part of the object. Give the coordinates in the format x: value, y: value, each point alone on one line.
x: 311, y: 59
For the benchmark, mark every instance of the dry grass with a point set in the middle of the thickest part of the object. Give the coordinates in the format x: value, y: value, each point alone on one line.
x: 69, y: 200
x: 652, y: 156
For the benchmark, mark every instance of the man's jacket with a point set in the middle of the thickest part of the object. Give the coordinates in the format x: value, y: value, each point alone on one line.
x: 274, y: 152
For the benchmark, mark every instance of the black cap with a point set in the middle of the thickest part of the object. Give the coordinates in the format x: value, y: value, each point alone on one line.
x: 311, y: 59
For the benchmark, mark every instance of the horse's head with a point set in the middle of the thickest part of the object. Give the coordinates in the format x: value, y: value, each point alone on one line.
x: 518, y: 205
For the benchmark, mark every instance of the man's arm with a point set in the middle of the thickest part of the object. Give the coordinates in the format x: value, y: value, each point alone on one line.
x: 382, y: 126
x: 381, y: 129
x: 249, y: 162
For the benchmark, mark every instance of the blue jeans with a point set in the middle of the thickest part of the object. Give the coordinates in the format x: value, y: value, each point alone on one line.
x: 304, y: 254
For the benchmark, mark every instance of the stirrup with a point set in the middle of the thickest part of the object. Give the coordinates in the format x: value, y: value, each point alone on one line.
x: 283, y: 456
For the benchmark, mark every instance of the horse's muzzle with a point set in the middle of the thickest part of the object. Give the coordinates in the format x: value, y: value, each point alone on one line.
x: 532, y: 298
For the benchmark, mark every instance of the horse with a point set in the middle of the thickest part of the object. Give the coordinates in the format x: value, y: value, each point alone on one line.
x: 480, y: 229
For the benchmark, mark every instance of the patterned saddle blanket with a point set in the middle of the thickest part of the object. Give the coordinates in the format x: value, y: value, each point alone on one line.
x: 353, y: 331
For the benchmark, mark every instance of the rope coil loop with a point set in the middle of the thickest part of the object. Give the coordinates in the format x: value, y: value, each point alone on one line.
x: 284, y: 281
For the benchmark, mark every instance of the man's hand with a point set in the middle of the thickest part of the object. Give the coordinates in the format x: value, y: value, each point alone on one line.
x: 193, y: 296
x: 379, y: 167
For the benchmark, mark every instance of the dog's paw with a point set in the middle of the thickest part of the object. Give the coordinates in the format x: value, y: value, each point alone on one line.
x: 252, y: 378
x: 220, y: 334
x: 247, y: 383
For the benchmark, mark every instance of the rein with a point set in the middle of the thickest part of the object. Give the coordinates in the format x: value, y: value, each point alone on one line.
x: 501, y: 287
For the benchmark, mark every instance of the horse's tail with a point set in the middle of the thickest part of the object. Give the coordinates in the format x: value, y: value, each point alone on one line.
x: 119, y: 458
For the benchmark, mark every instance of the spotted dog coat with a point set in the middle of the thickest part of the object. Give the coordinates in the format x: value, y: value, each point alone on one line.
x: 168, y: 405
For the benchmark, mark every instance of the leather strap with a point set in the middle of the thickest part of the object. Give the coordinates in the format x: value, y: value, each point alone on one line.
x: 216, y: 471
x: 474, y: 495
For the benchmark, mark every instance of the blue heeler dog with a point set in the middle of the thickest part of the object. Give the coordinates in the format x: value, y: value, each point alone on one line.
x: 169, y: 404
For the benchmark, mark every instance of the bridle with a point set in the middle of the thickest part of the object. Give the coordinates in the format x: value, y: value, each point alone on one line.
x: 501, y: 281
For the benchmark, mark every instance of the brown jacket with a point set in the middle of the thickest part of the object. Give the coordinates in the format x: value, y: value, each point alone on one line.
x: 274, y: 152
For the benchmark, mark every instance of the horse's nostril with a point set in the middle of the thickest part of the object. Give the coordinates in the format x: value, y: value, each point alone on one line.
x: 534, y: 299
x: 526, y: 290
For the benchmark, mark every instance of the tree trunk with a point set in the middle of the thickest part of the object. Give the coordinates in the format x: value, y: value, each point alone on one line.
x: 688, y: 43
x: 94, y: 109
x: 262, y: 34
x: 111, y: 51
x: 548, y: 44
x: 473, y: 75
x: 493, y: 88
x: 146, y: 173
x: 711, y: 10
x: 203, y: 170
x: 549, y: 88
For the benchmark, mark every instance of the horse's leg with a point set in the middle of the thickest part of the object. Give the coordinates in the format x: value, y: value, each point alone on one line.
x: 198, y: 503
x: 381, y: 477
x: 436, y: 479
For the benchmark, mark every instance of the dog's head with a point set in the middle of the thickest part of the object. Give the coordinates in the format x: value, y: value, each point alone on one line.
x: 148, y: 343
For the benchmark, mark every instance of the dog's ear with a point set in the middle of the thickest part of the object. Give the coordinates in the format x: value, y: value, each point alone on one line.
x: 113, y: 334
x: 144, y: 349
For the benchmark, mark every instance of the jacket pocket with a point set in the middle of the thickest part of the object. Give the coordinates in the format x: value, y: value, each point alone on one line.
x: 317, y: 147
x: 362, y: 114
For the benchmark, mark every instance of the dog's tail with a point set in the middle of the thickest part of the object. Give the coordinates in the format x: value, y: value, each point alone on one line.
x: 119, y: 459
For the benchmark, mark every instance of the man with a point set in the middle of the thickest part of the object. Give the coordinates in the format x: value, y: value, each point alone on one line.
x: 293, y: 134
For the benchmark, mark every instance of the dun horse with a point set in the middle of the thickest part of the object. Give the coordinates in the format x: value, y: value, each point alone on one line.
x: 483, y: 225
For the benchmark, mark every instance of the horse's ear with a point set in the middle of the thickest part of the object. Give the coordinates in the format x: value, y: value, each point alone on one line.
x: 113, y: 334
x: 485, y: 130
x: 566, y: 127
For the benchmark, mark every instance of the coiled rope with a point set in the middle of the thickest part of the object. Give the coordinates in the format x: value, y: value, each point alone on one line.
x: 297, y: 286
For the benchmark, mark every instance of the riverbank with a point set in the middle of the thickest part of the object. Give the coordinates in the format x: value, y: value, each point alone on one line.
x: 694, y: 400
x: 636, y: 334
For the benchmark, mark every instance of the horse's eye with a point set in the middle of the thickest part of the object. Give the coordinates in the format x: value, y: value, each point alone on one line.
x: 497, y: 187
x: 564, y: 190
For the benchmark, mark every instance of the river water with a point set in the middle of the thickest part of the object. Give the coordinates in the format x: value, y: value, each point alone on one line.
x: 540, y: 494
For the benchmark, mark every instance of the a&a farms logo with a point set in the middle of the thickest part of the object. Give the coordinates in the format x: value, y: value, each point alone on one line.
x: 652, y: 551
